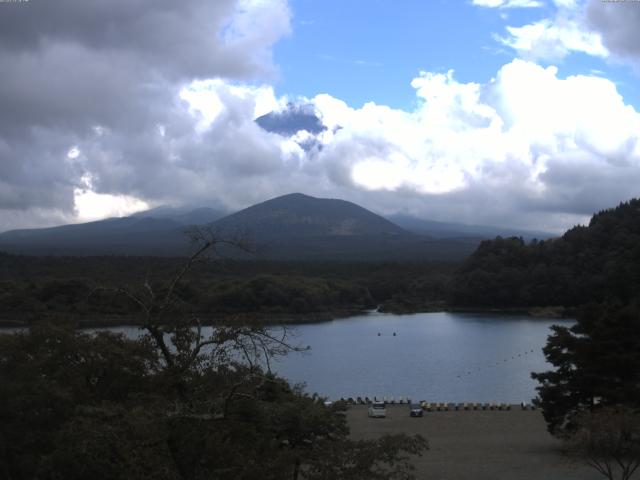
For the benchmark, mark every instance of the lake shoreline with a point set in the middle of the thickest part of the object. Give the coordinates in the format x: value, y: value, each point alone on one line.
x: 558, y: 312
x: 414, y: 355
x: 106, y: 321
x: 282, y: 318
x: 551, y: 311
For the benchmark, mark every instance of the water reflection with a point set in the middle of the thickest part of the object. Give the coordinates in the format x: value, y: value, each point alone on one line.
x: 433, y: 356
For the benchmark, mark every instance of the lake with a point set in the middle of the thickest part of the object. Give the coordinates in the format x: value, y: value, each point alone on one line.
x: 442, y: 357
x: 439, y: 357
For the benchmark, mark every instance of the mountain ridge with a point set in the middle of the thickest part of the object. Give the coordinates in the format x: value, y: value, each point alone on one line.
x: 304, y: 215
x: 292, y: 226
x: 439, y: 229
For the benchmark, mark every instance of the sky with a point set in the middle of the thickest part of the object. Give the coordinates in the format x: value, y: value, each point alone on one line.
x: 514, y: 113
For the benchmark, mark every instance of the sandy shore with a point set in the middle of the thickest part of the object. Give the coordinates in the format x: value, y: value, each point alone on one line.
x: 477, y: 445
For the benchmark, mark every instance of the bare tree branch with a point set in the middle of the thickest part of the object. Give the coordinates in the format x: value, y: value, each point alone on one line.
x: 609, y: 441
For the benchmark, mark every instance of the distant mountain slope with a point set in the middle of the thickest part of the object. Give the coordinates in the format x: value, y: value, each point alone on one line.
x: 378, y: 248
x: 298, y: 215
x: 154, y: 232
x: 183, y: 215
x: 298, y: 226
x: 294, y: 226
x: 455, y: 230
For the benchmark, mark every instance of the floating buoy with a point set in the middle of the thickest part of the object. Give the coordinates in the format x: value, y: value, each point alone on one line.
x: 394, y: 334
x: 378, y: 333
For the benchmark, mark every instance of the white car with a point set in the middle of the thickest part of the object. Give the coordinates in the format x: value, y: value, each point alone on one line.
x: 377, y: 410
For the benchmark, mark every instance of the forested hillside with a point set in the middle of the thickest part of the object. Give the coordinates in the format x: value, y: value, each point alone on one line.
x: 591, y: 263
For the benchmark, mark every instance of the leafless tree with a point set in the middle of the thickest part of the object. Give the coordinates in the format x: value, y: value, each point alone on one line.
x: 609, y: 441
x: 179, y: 335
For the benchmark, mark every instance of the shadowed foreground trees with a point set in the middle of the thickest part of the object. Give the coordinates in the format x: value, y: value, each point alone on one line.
x: 592, y: 398
x: 609, y: 441
x: 597, y: 364
x: 174, y: 404
x: 77, y: 406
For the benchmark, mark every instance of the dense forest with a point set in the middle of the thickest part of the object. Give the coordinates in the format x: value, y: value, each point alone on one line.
x: 86, y: 289
x: 591, y: 263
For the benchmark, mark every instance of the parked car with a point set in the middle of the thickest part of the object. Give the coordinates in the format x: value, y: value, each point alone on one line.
x: 415, y: 410
x: 377, y: 410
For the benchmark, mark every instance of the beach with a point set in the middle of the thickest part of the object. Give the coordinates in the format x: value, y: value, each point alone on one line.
x: 477, y: 445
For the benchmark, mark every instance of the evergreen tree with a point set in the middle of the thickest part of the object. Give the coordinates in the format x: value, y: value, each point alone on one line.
x: 597, y: 364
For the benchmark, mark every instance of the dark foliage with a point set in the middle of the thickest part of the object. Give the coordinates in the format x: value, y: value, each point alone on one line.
x: 597, y: 364
x: 77, y: 406
x: 72, y: 287
x: 594, y: 263
x: 608, y: 439
x: 175, y: 404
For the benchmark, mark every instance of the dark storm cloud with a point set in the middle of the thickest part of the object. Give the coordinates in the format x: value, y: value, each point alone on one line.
x: 177, y: 39
x: 71, y: 64
x: 619, y: 25
x: 68, y: 87
x: 582, y: 186
x: 30, y: 173
x: 104, y: 76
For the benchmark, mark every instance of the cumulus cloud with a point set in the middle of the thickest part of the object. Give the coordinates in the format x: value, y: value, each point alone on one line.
x: 101, y: 120
x: 618, y: 24
x: 605, y: 29
x: 552, y: 39
x: 568, y: 4
x: 106, y: 78
x: 529, y: 147
x: 508, y: 3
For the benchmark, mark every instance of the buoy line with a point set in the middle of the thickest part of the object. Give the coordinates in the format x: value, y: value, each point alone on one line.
x: 496, y: 364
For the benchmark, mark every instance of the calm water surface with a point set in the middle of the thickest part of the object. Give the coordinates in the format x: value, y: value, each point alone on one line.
x: 434, y: 356
x: 442, y: 357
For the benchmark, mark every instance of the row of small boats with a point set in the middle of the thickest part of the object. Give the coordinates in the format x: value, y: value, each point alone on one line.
x: 436, y: 406
x: 369, y: 401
